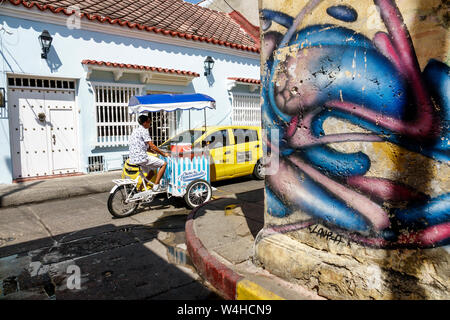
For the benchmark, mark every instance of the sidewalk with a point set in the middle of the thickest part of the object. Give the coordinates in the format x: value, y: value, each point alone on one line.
x: 220, y: 239
x: 16, y: 194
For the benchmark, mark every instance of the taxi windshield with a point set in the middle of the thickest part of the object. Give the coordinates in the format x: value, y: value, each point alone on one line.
x: 188, y: 136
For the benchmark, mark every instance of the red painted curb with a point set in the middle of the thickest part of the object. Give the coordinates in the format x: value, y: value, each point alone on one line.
x: 220, y: 276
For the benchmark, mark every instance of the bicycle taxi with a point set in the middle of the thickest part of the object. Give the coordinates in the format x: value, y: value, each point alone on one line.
x: 188, y: 170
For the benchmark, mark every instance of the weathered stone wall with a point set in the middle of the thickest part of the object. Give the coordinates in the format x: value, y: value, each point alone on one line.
x: 358, y: 202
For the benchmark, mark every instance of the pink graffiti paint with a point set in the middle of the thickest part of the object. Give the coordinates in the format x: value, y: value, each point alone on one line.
x: 427, y: 236
x: 419, y: 129
x: 372, y: 211
x: 385, y: 46
x: 295, y: 101
x: 384, y: 189
x: 373, y: 242
x: 407, y: 58
x: 299, y: 134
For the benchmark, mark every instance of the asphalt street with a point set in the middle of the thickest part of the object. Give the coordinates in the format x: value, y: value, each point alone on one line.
x: 74, y: 249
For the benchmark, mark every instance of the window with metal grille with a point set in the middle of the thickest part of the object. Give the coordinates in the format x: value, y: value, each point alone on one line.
x: 246, y: 109
x: 162, y: 126
x: 114, y: 123
x: 96, y: 164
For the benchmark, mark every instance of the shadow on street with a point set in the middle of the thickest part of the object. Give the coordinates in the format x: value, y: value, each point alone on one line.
x: 113, y: 263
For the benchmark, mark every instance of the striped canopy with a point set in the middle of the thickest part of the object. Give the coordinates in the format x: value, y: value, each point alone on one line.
x: 170, y: 102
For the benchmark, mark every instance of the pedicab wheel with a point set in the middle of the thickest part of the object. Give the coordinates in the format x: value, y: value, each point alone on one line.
x: 258, y: 171
x: 197, y: 193
x: 117, y: 205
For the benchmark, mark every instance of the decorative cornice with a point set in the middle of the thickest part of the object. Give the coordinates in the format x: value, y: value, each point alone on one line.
x: 147, y: 74
x: 253, y: 84
x: 139, y: 67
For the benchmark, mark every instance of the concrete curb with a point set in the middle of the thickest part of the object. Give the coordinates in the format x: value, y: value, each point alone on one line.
x: 231, y: 285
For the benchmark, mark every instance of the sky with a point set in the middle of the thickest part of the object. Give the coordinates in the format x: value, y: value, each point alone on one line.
x: 192, y: 1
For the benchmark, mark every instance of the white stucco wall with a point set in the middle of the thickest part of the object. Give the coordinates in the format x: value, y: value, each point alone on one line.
x: 21, y: 54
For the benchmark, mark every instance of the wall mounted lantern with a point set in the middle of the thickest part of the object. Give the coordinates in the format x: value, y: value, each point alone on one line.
x: 2, y: 98
x: 209, y: 64
x: 41, y: 116
x: 46, y: 41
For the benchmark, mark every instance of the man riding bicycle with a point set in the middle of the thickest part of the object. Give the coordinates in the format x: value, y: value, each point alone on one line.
x: 140, y: 142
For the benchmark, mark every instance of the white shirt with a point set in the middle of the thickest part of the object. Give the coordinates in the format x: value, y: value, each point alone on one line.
x: 138, y: 145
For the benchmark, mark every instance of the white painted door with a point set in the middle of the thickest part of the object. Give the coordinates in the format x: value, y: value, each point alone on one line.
x: 42, y: 146
x: 62, y: 129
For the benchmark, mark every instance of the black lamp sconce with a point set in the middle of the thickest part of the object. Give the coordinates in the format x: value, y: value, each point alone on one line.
x: 46, y: 41
x: 2, y: 98
x: 41, y: 116
x: 209, y: 64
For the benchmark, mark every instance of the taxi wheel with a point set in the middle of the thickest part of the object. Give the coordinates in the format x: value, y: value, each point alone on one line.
x: 258, y: 170
x: 197, y: 193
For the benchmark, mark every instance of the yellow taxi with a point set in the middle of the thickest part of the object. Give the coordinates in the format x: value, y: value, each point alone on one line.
x: 235, y: 150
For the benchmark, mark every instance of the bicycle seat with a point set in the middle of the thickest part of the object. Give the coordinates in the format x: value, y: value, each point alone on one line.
x: 134, y: 165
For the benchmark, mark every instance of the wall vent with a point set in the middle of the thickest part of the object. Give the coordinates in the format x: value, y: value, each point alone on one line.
x: 96, y: 164
x: 38, y: 83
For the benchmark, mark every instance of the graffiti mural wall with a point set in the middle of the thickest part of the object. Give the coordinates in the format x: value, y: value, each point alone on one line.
x: 360, y: 93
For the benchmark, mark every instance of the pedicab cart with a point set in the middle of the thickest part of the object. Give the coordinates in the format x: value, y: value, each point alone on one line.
x: 187, y: 173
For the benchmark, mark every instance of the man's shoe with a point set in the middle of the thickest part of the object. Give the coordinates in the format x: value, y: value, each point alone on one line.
x: 156, y: 187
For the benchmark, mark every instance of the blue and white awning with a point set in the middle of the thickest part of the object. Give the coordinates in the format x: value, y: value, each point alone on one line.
x: 170, y: 102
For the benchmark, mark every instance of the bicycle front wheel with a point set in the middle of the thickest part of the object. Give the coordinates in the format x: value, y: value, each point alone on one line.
x: 117, y: 204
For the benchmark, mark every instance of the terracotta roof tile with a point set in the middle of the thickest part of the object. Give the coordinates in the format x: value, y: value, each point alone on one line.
x: 246, y: 80
x: 167, y: 17
x: 136, y: 66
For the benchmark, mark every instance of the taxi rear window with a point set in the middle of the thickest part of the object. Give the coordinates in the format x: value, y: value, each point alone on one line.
x: 218, y: 139
x: 245, y: 135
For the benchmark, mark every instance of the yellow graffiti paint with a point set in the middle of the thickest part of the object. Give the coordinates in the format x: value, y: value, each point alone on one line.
x: 393, y: 162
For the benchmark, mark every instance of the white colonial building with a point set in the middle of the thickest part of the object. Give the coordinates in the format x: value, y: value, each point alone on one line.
x: 64, y: 110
